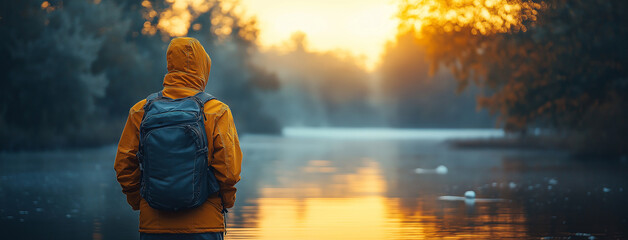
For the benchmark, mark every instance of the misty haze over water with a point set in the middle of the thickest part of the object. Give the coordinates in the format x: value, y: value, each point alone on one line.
x: 307, y: 186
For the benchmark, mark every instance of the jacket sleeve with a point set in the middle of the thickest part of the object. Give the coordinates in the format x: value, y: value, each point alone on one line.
x: 126, y: 164
x: 227, y: 156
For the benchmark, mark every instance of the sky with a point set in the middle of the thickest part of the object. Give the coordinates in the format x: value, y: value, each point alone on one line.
x: 359, y: 27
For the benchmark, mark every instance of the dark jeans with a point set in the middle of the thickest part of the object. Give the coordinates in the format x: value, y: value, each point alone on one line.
x: 174, y: 236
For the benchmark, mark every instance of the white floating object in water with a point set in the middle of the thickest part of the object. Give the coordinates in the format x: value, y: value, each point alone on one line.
x: 606, y: 189
x: 553, y: 181
x: 441, y: 169
x: 469, y: 194
x: 512, y: 185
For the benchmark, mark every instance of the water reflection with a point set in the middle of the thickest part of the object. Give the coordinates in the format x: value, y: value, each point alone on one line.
x: 313, y: 188
x: 317, y: 188
x: 323, y: 203
x: 327, y: 202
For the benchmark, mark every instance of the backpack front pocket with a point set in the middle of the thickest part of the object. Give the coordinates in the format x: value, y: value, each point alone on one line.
x: 170, y: 156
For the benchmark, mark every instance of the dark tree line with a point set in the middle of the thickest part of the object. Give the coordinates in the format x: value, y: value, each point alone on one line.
x: 72, y: 69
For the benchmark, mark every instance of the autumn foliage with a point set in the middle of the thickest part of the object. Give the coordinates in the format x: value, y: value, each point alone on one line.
x: 558, y: 64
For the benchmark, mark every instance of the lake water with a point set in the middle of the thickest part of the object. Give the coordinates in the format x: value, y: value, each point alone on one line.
x: 341, y: 184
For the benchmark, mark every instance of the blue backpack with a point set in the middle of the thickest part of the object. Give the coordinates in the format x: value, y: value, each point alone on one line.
x: 173, y: 153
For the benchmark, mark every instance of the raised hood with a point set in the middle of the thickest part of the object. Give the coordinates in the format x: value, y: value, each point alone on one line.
x: 188, y: 64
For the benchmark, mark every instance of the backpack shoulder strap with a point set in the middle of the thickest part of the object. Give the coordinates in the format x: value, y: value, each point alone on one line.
x: 154, y: 96
x: 204, y: 97
x: 151, y: 98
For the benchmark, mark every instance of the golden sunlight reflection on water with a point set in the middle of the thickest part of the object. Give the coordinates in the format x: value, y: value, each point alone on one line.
x: 327, y: 201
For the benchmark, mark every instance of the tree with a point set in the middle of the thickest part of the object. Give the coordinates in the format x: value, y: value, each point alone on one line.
x: 49, y: 86
x: 73, y: 69
x: 558, y: 64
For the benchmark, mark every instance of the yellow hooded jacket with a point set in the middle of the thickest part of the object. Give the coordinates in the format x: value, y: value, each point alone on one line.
x: 188, y: 72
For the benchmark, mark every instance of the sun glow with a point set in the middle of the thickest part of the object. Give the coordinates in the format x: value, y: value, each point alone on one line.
x: 360, y: 28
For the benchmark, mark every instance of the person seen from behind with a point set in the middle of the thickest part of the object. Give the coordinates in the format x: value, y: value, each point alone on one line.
x: 179, y: 157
